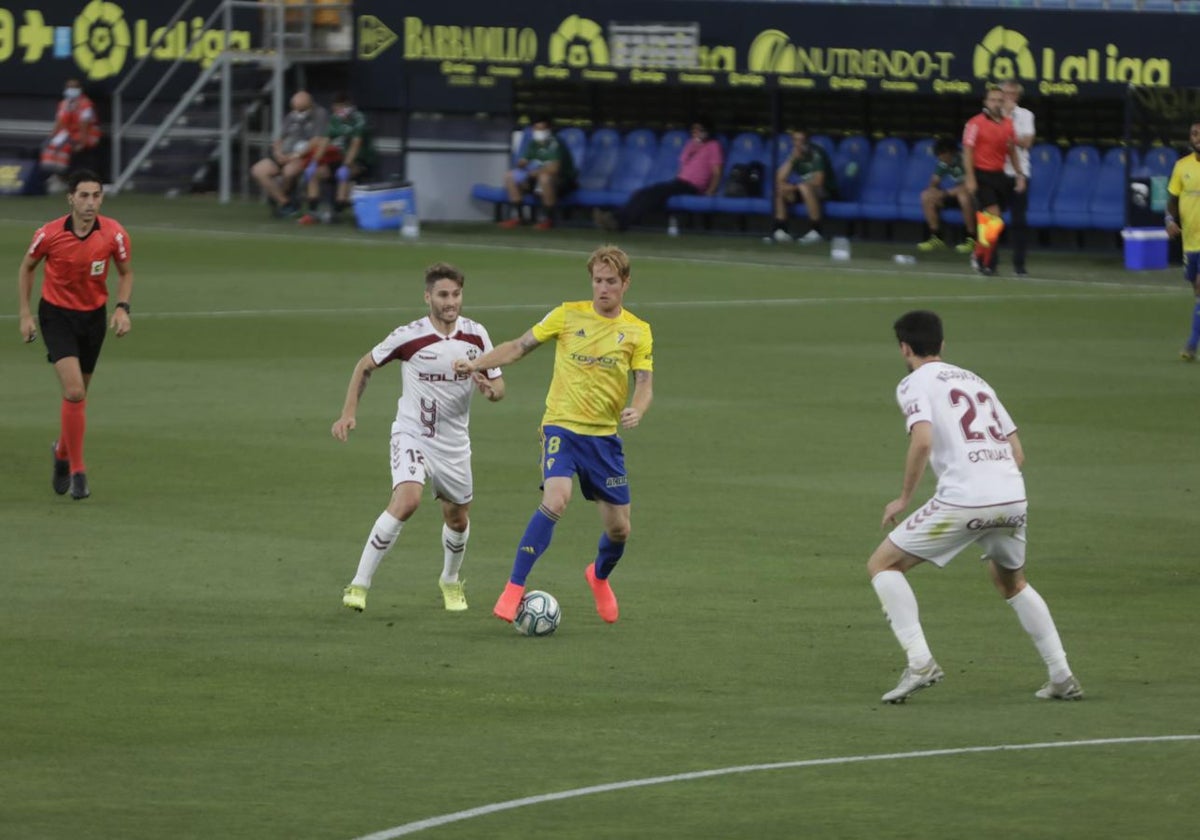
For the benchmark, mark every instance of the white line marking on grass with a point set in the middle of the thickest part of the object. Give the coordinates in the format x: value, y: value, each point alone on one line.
x: 736, y: 259
x: 497, y: 807
x: 665, y: 304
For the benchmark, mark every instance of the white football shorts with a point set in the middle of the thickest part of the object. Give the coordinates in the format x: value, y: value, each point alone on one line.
x: 449, y: 476
x: 938, y: 531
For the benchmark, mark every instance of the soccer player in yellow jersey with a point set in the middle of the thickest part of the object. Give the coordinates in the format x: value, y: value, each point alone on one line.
x: 598, y: 344
x: 1183, y: 216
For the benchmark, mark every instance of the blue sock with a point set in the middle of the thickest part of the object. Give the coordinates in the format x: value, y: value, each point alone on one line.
x: 607, y: 556
x: 534, y: 543
x: 1194, y: 339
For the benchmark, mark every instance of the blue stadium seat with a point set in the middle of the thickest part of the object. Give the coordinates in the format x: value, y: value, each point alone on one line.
x: 642, y: 139
x: 1160, y: 161
x: 1089, y: 5
x: 917, y: 172
x: 629, y: 175
x: 575, y: 140
x: 635, y: 158
x: 1045, y: 162
x: 1158, y: 5
x: 1123, y: 5
x: 1076, y: 184
x: 599, y: 162
x: 856, y: 148
x: 1107, y: 207
x: 880, y: 189
x: 850, y: 163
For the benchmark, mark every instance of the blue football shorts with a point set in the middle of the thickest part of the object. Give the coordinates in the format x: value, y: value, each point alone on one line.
x: 1191, y: 266
x: 598, y: 460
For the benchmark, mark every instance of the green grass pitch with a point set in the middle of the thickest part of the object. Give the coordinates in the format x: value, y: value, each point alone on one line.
x: 175, y: 661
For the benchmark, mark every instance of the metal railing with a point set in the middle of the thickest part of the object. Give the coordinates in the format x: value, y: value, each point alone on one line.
x: 274, y: 53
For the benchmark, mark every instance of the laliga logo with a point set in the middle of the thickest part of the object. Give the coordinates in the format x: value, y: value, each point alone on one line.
x: 101, y: 39
x: 1004, y: 54
x: 578, y: 42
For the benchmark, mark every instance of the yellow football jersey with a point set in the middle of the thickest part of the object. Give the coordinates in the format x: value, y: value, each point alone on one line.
x: 1185, y: 185
x: 592, y: 360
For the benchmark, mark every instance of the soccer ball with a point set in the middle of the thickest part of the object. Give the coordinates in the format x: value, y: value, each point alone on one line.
x: 538, y: 614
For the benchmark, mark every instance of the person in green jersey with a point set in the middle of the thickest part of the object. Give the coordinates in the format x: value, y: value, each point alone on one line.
x: 345, y: 154
x: 806, y: 175
x: 546, y: 167
x: 947, y: 188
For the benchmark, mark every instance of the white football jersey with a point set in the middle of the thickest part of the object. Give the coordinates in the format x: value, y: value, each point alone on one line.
x: 971, y: 456
x: 435, y: 402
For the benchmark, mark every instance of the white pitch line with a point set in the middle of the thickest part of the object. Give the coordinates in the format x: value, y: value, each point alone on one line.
x: 497, y: 807
x: 736, y: 259
x: 668, y: 304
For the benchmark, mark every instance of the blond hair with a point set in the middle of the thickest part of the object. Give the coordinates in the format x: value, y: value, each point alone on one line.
x: 613, y: 257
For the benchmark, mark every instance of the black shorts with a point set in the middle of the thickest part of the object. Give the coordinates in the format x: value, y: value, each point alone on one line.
x: 992, y: 188
x: 70, y: 332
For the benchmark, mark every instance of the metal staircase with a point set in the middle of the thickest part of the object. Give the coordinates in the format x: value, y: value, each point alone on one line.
x: 169, y: 143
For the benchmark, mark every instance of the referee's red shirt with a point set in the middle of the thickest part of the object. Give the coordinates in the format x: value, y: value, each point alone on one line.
x: 77, y: 269
x: 990, y: 141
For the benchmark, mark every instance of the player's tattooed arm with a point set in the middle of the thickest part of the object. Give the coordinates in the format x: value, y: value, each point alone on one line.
x: 499, y: 356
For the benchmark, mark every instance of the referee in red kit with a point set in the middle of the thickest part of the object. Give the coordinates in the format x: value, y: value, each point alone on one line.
x: 72, y: 310
x: 989, y: 140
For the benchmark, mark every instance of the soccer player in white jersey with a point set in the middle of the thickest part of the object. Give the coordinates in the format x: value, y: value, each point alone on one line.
x: 957, y: 425
x: 431, y: 443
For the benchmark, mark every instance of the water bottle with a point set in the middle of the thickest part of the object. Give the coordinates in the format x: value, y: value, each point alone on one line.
x: 840, y: 248
x: 411, y: 227
x: 672, y: 226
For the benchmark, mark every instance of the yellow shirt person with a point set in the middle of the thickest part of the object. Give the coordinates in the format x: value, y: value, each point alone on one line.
x: 598, y: 345
x: 1183, y: 216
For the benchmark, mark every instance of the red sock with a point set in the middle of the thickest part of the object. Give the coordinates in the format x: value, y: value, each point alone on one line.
x: 74, y: 421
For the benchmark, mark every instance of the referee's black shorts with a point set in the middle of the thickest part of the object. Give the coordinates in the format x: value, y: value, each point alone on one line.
x: 71, y: 332
x: 992, y: 188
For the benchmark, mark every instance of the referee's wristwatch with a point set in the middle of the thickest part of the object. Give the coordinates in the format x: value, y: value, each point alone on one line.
x: 123, y: 304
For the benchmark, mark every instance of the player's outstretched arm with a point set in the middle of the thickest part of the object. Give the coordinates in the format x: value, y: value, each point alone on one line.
x: 500, y: 355
x: 344, y: 425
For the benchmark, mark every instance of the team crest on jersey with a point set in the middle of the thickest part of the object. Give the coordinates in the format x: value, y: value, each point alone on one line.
x: 472, y: 353
x: 98, y: 267
x: 580, y: 333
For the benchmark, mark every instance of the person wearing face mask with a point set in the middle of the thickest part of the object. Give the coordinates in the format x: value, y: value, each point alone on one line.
x: 699, y: 173
x: 545, y: 167
x: 345, y: 154
x: 278, y: 173
x: 76, y: 131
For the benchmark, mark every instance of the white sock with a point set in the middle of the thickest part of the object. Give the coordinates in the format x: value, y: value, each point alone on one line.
x: 900, y: 606
x: 383, y: 535
x: 455, y: 545
x: 1035, y: 618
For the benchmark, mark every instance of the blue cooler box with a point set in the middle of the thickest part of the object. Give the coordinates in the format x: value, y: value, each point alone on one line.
x: 1145, y: 248
x: 383, y: 206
